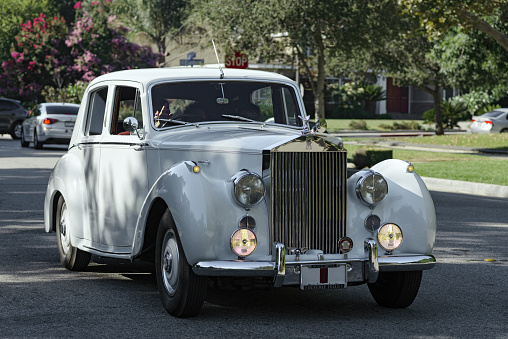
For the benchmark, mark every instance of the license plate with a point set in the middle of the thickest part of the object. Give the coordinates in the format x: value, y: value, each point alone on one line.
x: 69, y: 124
x: 323, y: 276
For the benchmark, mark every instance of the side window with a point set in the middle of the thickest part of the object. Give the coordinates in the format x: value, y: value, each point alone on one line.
x: 37, y: 111
x: 127, y: 104
x: 96, y: 111
x: 4, y: 105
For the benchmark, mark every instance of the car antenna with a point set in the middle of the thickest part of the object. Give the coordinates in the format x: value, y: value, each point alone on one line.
x: 217, y: 55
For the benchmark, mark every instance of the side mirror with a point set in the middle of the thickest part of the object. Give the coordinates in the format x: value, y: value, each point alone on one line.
x: 130, y: 124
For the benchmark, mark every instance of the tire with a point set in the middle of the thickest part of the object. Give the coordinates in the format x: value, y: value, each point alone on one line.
x: 71, y: 257
x: 182, y: 292
x: 504, y: 130
x: 396, y: 289
x: 16, y: 130
x: 37, y: 143
x: 24, y: 143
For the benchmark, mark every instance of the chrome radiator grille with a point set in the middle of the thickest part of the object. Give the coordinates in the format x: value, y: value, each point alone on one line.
x: 308, y: 199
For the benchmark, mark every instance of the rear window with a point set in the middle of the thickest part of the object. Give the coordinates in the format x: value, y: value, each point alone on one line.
x: 493, y: 114
x: 71, y: 110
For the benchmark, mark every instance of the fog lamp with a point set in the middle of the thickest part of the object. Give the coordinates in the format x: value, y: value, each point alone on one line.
x: 371, y: 188
x: 389, y: 236
x: 243, y: 242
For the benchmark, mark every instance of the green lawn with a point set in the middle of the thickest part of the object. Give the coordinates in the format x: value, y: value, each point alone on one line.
x: 454, y: 166
x: 490, y: 140
x: 337, y: 125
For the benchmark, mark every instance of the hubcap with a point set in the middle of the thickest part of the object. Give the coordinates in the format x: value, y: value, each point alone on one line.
x: 170, y: 259
x: 64, y: 235
x: 17, y: 130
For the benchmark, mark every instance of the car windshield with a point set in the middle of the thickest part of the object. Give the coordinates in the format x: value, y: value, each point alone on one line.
x: 72, y: 110
x: 179, y: 103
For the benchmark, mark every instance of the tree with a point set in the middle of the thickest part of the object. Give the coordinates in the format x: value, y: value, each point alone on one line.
x: 13, y: 14
x: 438, y: 16
x: 304, y: 32
x: 39, y: 58
x: 158, y: 19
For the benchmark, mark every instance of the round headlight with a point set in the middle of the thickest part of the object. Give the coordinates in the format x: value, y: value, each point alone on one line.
x: 371, y: 188
x: 243, y: 242
x: 248, y: 188
x: 389, y: 236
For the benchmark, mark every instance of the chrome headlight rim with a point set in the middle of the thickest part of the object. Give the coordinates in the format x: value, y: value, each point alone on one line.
x: 382, y: 244
x: 237, y: 179
x: 362, y: 181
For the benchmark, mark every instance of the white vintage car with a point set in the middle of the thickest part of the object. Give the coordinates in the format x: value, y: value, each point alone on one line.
x: 218, y: 178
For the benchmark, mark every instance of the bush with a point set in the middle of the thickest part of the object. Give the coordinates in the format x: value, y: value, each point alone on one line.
x: 359, y: 125
x: 368, y: 157
x: 411, y: 125
x: 452, y: 112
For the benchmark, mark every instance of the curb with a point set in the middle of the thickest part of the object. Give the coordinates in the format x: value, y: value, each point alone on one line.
x: 465, y: 187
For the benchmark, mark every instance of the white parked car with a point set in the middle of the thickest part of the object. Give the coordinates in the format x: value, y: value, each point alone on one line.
x: 49, y: 123
x: 495, y: 121
x: 180, y: 166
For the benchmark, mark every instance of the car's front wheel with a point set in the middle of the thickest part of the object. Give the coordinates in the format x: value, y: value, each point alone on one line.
x: 182, y: 292
x: 71, y: 258
x: 37, y: 143
x: 396, y: 289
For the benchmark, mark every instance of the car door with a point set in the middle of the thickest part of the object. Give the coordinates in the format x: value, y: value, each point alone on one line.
x: 89, y: 153
x: 123, y: 179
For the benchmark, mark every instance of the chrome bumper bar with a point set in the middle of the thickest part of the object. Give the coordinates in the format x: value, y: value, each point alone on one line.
x: 276, y: 268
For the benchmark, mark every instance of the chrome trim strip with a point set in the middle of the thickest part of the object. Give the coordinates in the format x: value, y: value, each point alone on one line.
x: 372, y: 269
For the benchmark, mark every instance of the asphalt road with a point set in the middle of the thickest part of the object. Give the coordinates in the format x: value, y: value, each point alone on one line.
x: 464, y: 296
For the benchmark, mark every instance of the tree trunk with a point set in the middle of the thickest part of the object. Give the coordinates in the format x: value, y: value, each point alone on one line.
x: 438, y: 116
x: 319, y: 92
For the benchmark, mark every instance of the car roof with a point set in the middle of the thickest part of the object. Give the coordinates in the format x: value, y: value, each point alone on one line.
x: 12, y: 100
x: 150, y: 75
x: 58, y: 104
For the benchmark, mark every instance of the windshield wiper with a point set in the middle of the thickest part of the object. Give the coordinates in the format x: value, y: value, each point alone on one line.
x: 237, y: 117
x: 175, y: 122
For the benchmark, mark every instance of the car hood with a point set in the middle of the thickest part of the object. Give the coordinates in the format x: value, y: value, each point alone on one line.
x: 243, y: 139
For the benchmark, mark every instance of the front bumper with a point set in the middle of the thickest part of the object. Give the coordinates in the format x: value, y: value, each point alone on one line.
x: 284, y: 272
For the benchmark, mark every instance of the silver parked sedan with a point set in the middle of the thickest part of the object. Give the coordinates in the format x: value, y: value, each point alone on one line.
x: 491, y: 122
x: 49, y: 123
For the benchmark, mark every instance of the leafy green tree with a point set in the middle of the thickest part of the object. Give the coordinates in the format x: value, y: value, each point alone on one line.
x: 437, y: 16
x: 308, y: 33
x: 158, y: 19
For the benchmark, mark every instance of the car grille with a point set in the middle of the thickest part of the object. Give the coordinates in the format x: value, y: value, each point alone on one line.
x: 308, y: 198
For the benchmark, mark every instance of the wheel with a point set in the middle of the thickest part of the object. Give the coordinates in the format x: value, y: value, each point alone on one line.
x: 24, y: 143
x: 71, y: 258
x: 504, y: 130
x: 396, y: 289
x: 182, y: 292
x: 16, y: 130
x: 37, y: 143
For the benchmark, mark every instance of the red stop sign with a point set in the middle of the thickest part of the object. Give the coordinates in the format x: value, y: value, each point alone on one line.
x: 239, y: 60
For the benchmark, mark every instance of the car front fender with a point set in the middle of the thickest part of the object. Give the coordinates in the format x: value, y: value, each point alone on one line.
x: 408, y: 204
x: 202, y: 208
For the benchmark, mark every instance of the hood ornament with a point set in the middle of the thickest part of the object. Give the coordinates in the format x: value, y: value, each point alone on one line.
x: 305, y: 119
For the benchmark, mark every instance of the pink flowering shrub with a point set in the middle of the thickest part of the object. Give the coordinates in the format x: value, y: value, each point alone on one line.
x: 48, y: 53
